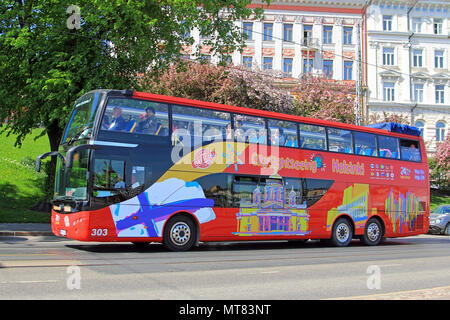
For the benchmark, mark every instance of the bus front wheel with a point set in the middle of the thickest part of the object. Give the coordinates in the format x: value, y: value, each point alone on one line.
x: 179, y: 233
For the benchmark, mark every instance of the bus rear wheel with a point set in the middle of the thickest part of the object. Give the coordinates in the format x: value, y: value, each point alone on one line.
x: 179, y: 233
x: 373, y: 233
x: 342, y: 233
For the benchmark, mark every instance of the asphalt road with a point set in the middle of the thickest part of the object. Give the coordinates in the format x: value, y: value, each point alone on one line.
x: 56, y: 268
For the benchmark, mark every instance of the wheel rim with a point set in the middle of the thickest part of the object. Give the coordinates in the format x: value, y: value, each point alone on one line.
x: 180, y: 233
x: 373, y: 232
x: 342, y: 232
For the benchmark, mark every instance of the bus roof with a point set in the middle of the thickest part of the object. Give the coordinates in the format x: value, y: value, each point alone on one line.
x: 397, y: 127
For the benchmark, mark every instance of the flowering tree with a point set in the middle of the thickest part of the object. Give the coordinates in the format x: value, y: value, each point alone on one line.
x: 440, y: 164
x: 322, y: 98
x: 228, y: 85
x: 389, y: 117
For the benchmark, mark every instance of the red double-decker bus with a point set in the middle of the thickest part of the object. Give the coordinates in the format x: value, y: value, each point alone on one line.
x: 144, y: 168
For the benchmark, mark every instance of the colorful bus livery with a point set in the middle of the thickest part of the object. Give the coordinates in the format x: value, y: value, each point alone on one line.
x: 147, y: 168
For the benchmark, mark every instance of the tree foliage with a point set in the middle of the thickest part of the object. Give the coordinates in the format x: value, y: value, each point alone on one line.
x: 50, y: 53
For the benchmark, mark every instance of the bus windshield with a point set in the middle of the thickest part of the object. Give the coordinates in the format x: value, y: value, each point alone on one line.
x: 82, y: 118
x: 72, y: 183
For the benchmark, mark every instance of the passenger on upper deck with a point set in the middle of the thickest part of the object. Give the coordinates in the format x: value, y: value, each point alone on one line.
x: 118, y: 122
x: 148, y: 124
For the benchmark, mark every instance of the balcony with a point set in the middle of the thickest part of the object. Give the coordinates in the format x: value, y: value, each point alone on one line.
x: 310, y: 43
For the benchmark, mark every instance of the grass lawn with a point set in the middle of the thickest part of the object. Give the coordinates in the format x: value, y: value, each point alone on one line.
x: 438, y: 199
x: 20, y: 184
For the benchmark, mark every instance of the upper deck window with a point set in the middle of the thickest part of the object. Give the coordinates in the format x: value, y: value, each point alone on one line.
x: 365, y: 144
x: 136, y: 116
x: 388, y: 147
x: 312, y: 137
x: 82, y: 118
x: 250, y: 129
x: 196, y: 124
x: 409, y: 150
x: 340, y: 140
x: 283, y: 133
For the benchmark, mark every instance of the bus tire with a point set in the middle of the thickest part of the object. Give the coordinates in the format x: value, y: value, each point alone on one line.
x: 373, y: 232
x: 342, y: 233
x: 180, y: 233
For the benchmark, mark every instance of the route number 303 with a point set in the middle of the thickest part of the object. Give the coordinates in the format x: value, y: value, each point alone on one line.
x: 99, y: 232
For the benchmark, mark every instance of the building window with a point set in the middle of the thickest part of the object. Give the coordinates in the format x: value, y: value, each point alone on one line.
x: 439, y: 59
x: 439, y: 93
x: 287, y: 32
x: 417, y: 58
x: 248, y: 30
x: 327, y: 34
x: 348, y: 35
x: 247, y: 62
x: 268, y: 31
x: 440, y: 131
x: 388, y: 56
x: 437, y: 26
x: 307, y: 35
x: 348, y: 70
x: 287, y: 67
x: 421, y: 125
x: 418, y: 92
x: 307, y: 65
x: 417, y: 25
x: 387, y: 23
x: 388, y: 91
x: 328, y: 68
x: 267, y: 63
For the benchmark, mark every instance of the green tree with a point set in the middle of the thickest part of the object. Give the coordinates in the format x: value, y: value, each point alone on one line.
x: 52, y: 52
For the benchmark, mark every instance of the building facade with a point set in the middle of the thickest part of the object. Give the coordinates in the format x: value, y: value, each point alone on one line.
x: 395, y: 52
x: 298, y: 36
x: 408, y: 64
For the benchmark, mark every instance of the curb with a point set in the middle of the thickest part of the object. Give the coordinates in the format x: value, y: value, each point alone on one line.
x: 25, y: 233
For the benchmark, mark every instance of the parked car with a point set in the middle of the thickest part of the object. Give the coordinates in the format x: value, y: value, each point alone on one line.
x: 440, y: 220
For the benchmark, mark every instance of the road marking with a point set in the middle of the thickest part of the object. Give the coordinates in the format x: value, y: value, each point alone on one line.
x: 26, y: 254
x: 29, y: 281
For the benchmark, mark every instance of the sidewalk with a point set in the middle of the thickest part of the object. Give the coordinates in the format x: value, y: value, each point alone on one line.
x: 25, y: 229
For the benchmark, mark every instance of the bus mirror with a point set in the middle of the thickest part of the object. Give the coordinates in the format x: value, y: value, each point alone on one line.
x: 71, y: 152
x: 45, y: 155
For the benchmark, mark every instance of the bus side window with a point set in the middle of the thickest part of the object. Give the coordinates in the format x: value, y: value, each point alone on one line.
x: 136, y: 116
x: 312, y: 137
x: 388, y: 147
x: 197, y: 125
x: 109, y: 177
x: 217, y: 187
x: 250, y: 129
x: 365, y: 143
x: 409, y: 150
x: 339, y: 140
x: 282, y: 133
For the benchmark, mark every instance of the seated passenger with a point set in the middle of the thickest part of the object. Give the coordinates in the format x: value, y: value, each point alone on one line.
x: 414, y: 153
x: 277, y: 137
x: 148, y: 123
x: 118, y: 122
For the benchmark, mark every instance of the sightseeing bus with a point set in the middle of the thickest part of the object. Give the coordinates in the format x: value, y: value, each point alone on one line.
x: 139, y: 167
